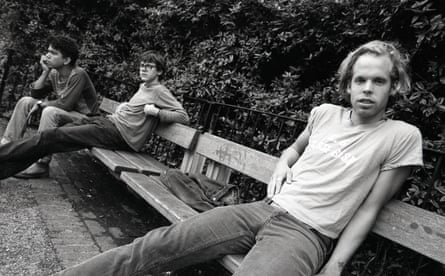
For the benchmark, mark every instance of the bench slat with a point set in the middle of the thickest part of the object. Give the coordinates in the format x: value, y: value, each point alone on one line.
x: 113, y: 161
x: 108, y: 105
x: 179, y: 134
x: 253, y: 163
x: 158, y: 196
x: 413, y: 227
x: 144, y: 163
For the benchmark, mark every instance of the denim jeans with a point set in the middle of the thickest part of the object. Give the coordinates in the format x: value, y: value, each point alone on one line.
x: 275, y: 243
x: 51, y: 117
x: 17, y: 155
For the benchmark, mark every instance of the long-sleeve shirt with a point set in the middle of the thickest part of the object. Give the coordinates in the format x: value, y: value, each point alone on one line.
x: 76, y: 93
x: 132, y: 122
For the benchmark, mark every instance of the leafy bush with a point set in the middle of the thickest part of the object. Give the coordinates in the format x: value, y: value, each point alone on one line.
x: 279, y: 56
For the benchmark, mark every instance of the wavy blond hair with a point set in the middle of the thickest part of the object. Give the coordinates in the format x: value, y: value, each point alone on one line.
x: 400, y: 80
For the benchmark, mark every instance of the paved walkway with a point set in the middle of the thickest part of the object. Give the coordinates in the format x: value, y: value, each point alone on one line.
x: 81, y: 210
x: 52, y: 223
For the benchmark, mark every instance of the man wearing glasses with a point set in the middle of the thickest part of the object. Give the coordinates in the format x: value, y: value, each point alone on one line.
x: 127, y: 128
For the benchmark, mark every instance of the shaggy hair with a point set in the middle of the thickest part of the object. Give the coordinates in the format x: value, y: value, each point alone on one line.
x: 157, y: 59
x: 66, y: 46
x: 400, y: 79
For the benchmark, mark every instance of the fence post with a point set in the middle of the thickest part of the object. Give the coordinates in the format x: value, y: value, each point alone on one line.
x: 207, y: 116
x: 6, y: 66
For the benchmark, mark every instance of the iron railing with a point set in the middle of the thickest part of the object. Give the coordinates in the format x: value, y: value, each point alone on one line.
x: 264, y: 131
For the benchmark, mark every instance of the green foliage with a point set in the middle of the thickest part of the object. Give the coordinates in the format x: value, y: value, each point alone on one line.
x: 279, y: 56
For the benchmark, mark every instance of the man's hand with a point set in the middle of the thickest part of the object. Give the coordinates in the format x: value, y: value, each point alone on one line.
x: 34, y: 109
x: 151, y: 109
x: 43, y: 64
x: 282, y: 173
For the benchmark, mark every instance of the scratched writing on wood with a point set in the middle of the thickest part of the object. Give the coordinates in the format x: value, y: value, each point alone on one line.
x: 231, y: 156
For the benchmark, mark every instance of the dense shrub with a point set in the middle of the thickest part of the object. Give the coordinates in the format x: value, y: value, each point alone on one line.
x: 279, y: 56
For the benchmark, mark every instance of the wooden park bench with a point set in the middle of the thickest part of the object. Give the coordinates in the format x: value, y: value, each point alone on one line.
x: 415, y: 228
x: 410, y: 226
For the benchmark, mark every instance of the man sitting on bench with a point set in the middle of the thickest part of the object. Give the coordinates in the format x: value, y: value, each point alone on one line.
x: 70, y: 84
x: 324, y: 196
x: 126, y: 129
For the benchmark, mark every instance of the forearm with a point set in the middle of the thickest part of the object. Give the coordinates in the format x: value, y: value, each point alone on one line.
x: 289, y: 157
x: 40, y: 83
x: 66, y: 105
x: 386, y: 185
x: 177, y: 116
x: 350, y: 239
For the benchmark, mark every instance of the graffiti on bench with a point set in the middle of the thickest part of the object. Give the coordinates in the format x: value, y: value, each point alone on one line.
x: 231, y: 156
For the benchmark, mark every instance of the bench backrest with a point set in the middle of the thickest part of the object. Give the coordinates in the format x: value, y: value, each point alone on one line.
x: 410, y: 226
x: 222, y: 154
x: 108, y: 105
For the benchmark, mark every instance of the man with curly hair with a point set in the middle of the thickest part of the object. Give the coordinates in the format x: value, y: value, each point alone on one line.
x: 70, y: 86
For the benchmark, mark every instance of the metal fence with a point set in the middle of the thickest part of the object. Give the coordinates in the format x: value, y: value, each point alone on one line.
x: 264, y: 131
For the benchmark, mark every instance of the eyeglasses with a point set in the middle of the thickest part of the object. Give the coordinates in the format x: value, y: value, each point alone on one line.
x: 147, y: 66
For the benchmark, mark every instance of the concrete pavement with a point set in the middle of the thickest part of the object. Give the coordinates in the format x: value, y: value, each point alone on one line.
x: 79, y: 211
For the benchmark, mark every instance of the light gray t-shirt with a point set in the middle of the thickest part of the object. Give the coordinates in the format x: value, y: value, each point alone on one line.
x: 340, y: 165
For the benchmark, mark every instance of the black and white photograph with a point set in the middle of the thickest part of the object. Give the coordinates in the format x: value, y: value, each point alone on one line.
x: 217, y: 138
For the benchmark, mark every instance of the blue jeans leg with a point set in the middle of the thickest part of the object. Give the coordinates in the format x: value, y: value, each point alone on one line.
x: 211, y: 235
x: 18, y: 118
x: 207, y: 236
x: 98, y: 132
x: 286, y: 247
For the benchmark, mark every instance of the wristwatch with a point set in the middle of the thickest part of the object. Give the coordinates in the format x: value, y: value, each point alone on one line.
x: 39, y: 103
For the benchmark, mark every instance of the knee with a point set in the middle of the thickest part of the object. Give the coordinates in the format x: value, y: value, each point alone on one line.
x: 51, y: 112
x: 26, y: 102
x: 47, y: 136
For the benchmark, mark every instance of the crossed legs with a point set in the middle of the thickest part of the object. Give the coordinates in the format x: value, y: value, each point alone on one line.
x: 51, y: 117
x: 89, y: 132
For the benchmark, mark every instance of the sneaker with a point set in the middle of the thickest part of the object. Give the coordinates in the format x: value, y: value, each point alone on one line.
x: 36, y: 170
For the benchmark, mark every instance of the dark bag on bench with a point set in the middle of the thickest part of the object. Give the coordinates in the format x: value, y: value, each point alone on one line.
x: 198, y: 191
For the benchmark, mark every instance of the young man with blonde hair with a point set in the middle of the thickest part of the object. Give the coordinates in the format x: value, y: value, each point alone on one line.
x: 323, y: 198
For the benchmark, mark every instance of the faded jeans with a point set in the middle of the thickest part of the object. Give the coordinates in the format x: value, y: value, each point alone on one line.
x: 51, y: 117
x: 275, y: 243
x: 89, y: 132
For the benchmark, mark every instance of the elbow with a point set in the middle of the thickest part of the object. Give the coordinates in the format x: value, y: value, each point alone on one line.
x: 61, y: 105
